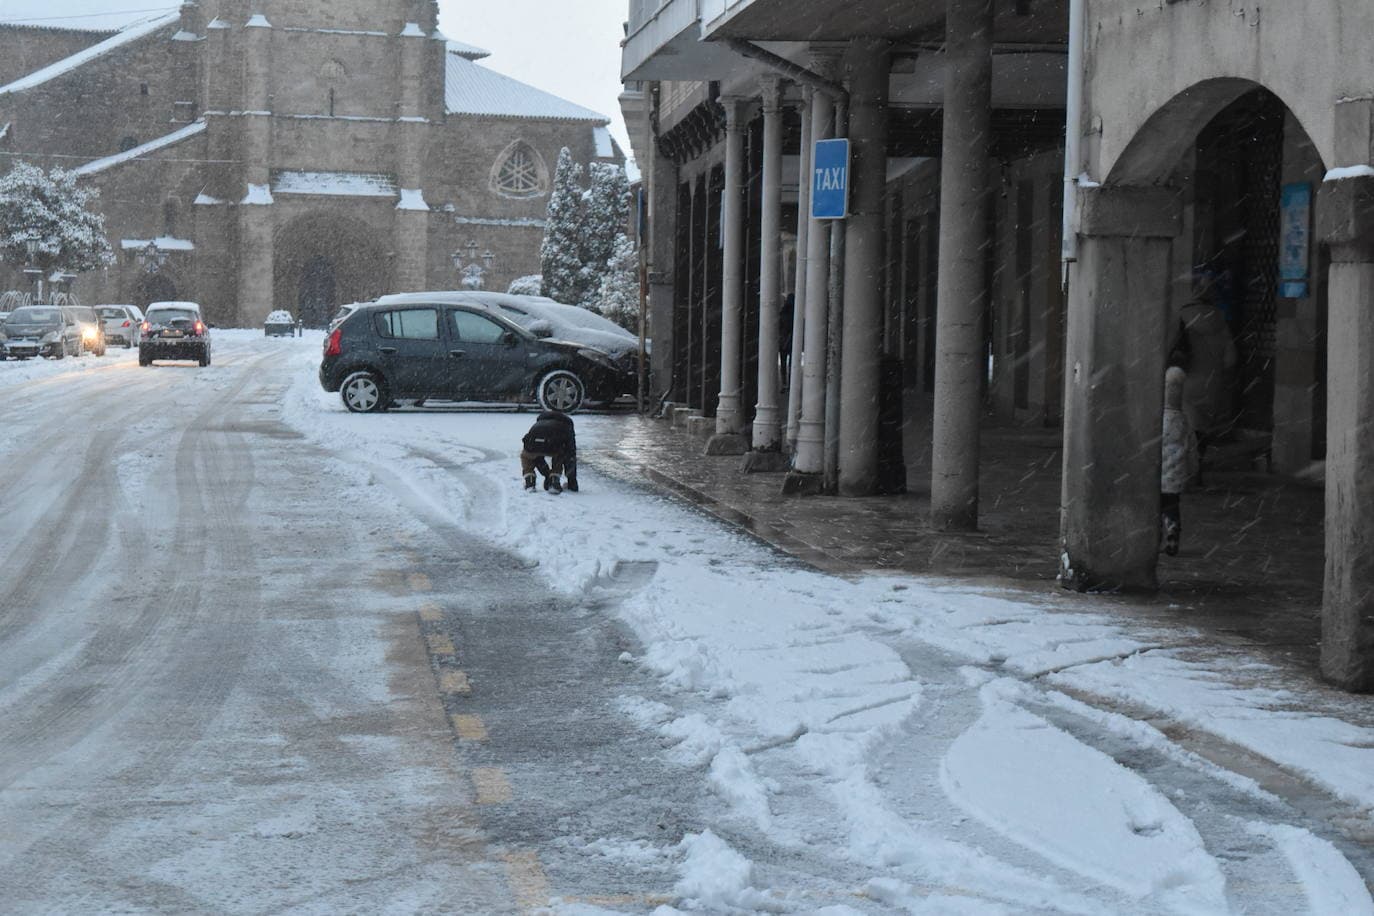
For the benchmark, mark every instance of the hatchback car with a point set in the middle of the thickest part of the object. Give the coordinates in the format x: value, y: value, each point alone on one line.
x: 174, y: 330
x: 279, y: 323
x: 122, y: 323
x: 42, y: 330
x: 449, y: 346
x: 92, y: 328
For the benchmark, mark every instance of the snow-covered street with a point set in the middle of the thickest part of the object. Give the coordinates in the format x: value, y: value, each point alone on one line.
x: 260, y: 654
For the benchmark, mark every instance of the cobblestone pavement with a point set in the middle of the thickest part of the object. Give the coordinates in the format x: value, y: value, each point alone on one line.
x: 1250, y: 569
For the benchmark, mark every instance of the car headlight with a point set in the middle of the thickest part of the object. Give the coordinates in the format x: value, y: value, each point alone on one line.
x: 88, y: 334
x: 598, y: 357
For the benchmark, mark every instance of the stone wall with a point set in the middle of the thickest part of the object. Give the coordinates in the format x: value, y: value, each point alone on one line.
x: 25, y: 49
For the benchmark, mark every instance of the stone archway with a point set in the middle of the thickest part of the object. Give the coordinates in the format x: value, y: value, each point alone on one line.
x: 324, y: 260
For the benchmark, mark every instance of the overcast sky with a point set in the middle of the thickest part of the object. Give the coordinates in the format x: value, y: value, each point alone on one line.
x: 568, y: 47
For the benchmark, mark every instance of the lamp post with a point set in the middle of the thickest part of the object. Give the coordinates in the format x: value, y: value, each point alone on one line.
x: 473, y: 274
x: 33, y: 272
x: 151, y: 257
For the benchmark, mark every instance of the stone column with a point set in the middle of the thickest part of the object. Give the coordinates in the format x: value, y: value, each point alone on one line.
x: 794, y: 383
x: 1117, y: 338
x: 868, y: 64
x: 809, y: 461
x: 961, y: 359
x: 767, y: 440
x: 411, y: 227
x: 728, y: 440
x: 256, y: 247
x: 1345, y: 215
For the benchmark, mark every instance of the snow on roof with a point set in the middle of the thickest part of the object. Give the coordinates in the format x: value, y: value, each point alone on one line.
x: 176, y: 136
x: 473, y: 90
x: 462, y: 48
x: 334, y: 184
x: 118, y: 40
x: 162, y: 243
x: 605, y: 146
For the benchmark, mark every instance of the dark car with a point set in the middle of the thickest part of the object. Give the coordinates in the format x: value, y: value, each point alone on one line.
x: 449, y: 346
x: 174, y: 330
x: 279, y: 323
x: 42, y: 330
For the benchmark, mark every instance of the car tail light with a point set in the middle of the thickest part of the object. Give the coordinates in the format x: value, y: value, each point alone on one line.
x: 335, y: 345
x: 125, y: 324
x: 145, y: 327
x: 200, y: 328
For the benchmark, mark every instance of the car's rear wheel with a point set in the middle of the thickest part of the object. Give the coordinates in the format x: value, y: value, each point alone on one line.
x: 561, y: 390
x: 364, y: 392
x: 143, y: 358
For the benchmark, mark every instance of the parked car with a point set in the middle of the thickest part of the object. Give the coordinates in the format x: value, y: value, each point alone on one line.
x: 42, y: 330
x: 122, y: 324
x: 343, y: 312
x: 279, y: 324
x: 92, y: 328
x: 452, y: 346
x: 572, y: 323
x: 174, y: 330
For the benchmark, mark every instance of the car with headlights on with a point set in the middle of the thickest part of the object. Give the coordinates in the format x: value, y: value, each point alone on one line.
x: 41, y: 330
x: 92, y: 328
x: 122, y: 323
x: 174, y: 330
x: 450, y: 346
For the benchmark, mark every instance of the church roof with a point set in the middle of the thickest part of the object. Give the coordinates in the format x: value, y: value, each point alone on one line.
x: 474, y: 90
x: 463, y: 49
x: 66, y: 65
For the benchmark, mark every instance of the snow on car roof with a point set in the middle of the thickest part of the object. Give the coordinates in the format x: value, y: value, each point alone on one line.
x: 173, y: 305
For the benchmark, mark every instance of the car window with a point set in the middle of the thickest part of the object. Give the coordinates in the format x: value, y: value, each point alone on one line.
x: 35, y: 316
x: 409, y: 324
x: 473, y: 328
x: 165, y: 316
x: 117, y: 314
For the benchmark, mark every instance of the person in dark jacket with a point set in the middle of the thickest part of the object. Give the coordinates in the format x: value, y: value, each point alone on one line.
x: 550, y: 447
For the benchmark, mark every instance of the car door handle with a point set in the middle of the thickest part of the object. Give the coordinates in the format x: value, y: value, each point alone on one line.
x: 389, y: 351
x: 457, y: 354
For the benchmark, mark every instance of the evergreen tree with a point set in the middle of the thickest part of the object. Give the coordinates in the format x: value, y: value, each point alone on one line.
x: 51, y: 209
x: 607, y: 204
x: 560, y: 256
x: 618, y: 295
x: 530, y: 285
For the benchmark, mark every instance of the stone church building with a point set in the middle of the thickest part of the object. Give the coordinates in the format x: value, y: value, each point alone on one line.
x: 290, y: 154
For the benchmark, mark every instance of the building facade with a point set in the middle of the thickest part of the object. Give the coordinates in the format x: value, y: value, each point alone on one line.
x: 285, y: 154
x: 1041, y: 193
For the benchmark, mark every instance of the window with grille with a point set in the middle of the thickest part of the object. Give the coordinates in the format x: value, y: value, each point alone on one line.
x: 520, y: 173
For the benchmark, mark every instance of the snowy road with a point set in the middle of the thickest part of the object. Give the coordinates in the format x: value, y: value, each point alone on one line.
x: 261, y: 655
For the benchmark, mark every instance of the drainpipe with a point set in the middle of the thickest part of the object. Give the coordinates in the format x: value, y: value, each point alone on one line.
x: 1073, y: 134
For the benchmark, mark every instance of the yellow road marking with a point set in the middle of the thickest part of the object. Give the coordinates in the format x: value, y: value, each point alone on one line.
x: 419, y: 582
x: 431, y: 612
x: 493, y: 788
x: 455, y: 682
x: 470, y: 728
x: 527, y: 880
x: 440, y: 644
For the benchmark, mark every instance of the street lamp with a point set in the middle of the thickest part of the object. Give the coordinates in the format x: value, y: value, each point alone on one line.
x: 33, y: 272
x: 151, y: 257
x: 472, y: 273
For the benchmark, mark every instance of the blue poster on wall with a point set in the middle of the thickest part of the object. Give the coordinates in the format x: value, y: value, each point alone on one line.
x: 1295, y: 240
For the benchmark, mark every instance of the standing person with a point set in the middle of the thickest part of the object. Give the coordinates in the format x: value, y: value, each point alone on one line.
x: 1179, y: 458
x: 787, y: 318
x: 1208, y: 396
x: 550, y: 447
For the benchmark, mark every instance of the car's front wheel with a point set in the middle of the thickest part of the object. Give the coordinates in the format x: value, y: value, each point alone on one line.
x: 143, y: 358
x: 364, y: 392
x: 561, y: 390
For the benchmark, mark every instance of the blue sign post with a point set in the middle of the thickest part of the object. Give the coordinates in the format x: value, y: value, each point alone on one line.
x: 830, y: 180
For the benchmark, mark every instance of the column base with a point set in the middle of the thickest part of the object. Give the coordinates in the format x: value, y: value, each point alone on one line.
x: 727, y: 444
x: 765, y: 461
x: 1079, y: 578
x: 801, y: 483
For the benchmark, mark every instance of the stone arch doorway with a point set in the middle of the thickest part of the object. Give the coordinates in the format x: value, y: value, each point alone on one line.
x: 156, y: 287
x: 324, y: 260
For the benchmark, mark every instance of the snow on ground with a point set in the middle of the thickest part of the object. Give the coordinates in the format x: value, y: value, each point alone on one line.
x: 17, y: 371
x: 909, y: 732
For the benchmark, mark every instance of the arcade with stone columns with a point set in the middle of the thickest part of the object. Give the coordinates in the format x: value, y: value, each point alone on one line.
x: 996, y: 268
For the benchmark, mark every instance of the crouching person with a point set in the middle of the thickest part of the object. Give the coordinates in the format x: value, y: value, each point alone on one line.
x: 550, y: 447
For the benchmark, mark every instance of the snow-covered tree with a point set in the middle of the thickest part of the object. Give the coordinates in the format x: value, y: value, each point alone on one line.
x: 618, y: 295
x: 530, y: 285
x: 51, y: 209
x: 607, y: 204
x: 560, y: 256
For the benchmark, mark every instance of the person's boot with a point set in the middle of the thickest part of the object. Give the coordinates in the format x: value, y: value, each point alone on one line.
x: 553, y: 484
x: 529, y: 483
